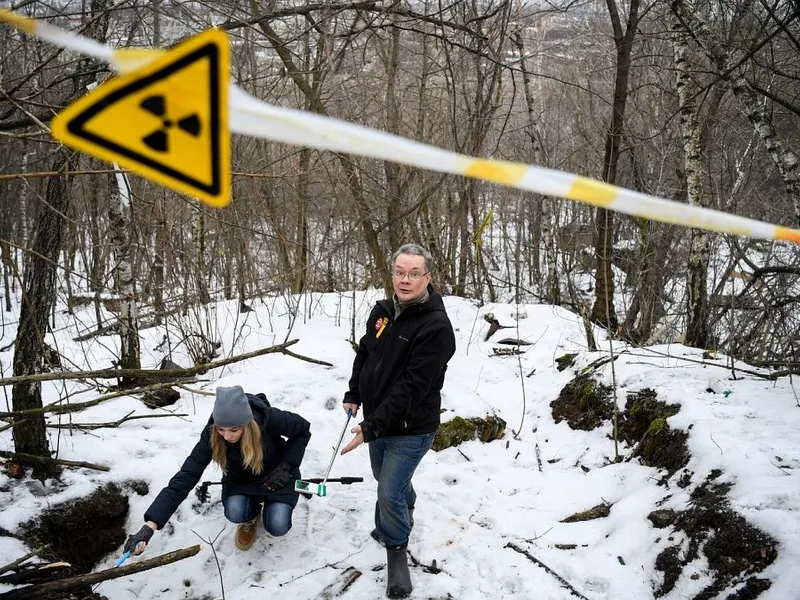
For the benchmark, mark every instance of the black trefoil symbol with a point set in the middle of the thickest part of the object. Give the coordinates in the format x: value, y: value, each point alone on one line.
x: 159, y: 140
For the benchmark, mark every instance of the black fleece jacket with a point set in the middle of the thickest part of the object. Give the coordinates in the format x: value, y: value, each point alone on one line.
x: 399, y: 368
x: 275, y: 425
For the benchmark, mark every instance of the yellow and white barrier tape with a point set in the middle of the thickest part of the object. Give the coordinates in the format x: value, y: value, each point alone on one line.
x: 252, y: 117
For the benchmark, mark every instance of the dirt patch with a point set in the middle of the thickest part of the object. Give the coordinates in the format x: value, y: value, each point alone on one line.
x: 734, y: 548
x: 641, y: 409
x: 583, y: 403
x: 643, y: 425
x: 82, y: 532
x: 669, y: 563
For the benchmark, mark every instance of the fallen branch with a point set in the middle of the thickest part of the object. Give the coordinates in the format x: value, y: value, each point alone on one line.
x: 45, y: 590
x: 145, y: 322
x: 342, y: 583
x: 307, y: 359
x: 533, y: 559
x: 36, y: 573
x: 13, y: 565
x: 431, y: 568
x: 768, y: 376
x: 600, y: 362
x: 57, y: 407
x: 36, y: 461
x: 150, y: 373
x: 111, y: 424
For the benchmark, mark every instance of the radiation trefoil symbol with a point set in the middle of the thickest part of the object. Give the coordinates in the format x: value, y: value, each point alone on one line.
x: 159, y: 140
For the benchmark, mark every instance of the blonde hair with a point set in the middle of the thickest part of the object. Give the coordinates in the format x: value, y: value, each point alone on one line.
x: 250, y: 443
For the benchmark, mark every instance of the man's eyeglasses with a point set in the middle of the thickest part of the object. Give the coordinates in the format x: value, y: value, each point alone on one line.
x: 413, y: 275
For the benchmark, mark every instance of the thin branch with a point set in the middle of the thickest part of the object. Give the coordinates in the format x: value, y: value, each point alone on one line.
x: 560, y: 579
x: 769, y: 376
x: 211, y: 543
x: 66, y: 408
x: 111, y: 424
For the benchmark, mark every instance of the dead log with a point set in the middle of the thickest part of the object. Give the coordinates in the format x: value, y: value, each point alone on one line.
x: 45, y: 590
x: 40, y: 461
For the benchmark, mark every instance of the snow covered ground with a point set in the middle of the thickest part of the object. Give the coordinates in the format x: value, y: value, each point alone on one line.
x: 474, y: 499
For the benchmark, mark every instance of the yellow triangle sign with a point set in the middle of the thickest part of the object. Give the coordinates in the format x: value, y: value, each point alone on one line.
x: 167, y: 120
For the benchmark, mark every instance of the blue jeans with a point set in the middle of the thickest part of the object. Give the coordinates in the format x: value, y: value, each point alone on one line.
x: 277, y: 516
x: 394, y: 459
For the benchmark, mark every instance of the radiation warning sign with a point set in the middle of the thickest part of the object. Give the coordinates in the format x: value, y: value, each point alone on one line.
x: 167, y: 120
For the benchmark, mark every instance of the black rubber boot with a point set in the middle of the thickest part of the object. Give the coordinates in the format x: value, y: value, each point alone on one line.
x: 398, y: 577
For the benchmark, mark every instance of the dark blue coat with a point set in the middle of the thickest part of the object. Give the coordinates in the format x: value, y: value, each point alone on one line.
x: 275, y: 425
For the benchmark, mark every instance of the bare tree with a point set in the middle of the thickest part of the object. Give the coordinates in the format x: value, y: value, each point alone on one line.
x: 119, y: 216
x: 603, y: 309
x: 39, y: 294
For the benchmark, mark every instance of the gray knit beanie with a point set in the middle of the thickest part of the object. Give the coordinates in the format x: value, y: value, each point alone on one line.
x: 232, y: 408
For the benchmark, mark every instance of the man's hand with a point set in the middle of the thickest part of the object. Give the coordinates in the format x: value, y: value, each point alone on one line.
x: 356, y: 441
x: 137, y: 542
x: 278, y: 477
x: 349, y: 406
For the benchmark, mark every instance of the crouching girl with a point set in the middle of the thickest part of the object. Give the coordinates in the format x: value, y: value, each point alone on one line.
x: 245, y: 437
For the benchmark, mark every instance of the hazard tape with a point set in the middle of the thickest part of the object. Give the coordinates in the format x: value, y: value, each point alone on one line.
x: 255, y: 118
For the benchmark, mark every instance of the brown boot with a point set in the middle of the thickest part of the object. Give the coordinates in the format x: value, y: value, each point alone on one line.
x: 246, y: 533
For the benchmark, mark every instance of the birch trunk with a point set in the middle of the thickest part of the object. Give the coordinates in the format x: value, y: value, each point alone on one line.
x: 119, y: 217
x: 695, y: 169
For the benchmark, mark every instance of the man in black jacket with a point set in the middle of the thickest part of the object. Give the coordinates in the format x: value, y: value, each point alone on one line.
x: 397, y: 377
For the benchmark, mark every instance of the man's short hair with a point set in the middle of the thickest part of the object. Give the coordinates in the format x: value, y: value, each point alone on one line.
x: 415, y: 250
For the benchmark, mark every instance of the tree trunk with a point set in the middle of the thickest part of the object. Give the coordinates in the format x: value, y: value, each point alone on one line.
x: 301, y: 233
x: 199, y: 264
x: 392, y: 199
x: 30, y: 435
x: 695, y: 168
x: 97, y: 269
x: 119, y: 217
x: 158, y: 259
x: 603, y: 311
x: 552, y: 289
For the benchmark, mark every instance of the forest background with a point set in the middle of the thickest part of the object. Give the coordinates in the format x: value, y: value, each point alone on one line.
x: 692, y: 101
